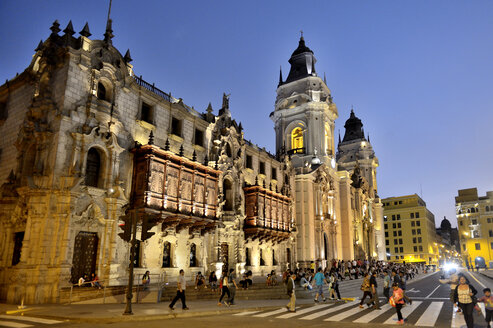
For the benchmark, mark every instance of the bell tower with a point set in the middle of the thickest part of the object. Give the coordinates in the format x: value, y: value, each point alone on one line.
x: 304, y: 113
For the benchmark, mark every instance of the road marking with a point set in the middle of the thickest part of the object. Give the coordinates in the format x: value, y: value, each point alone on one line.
x: 332, y: 309
x: 479, y: 282
x: 31, y: 319
x: 434, y: 290
x: 13, y: 324
x: 457, y: 319
x: 246, y: 313
x: 263, y: 315
x: 310, y: 309
x: 346, y: 314
x: 412, y: 290
x: 430, y: 316
x: 406, y: 311
x: 373, y: 314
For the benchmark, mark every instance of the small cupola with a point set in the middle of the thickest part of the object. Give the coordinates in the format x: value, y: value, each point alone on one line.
x: 302, y: 62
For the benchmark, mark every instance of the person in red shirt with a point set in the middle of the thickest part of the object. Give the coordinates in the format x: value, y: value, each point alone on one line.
x: 398, y: 300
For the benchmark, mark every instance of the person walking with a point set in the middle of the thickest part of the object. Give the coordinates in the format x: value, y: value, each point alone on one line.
x: 335, y: 288
x: 397, y: 300
x: 232, y: 286
x: 373, y: 289
x: 180, y: 291
x: 290, y: 287
x: 464, y: 295
x: 386, y: 285
x: 453, y: 281
x: 487, y: 299
x: 224, y: 288
x: 365, y: 287
x: 403, y: 286
x: 319, y: 285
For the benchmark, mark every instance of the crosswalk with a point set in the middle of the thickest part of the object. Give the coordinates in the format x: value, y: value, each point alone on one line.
x: 16, y: 321
x: 422, y: 313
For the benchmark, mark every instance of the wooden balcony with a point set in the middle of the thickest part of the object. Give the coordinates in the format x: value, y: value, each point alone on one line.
x: 267, y: 214
x: 183, y: 192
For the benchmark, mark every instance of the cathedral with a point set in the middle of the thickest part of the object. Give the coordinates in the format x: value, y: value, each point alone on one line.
x: 86, y: 140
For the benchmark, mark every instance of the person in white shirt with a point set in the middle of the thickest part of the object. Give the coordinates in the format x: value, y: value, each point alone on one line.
x: 180, y: 292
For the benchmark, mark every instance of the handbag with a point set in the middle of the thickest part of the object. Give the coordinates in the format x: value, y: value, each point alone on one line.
x: 392, y: 301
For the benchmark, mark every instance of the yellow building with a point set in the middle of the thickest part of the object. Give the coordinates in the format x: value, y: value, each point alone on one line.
x: 475, y: 223
x: 410, y: 233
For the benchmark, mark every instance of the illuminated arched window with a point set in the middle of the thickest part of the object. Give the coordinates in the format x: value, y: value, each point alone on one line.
x: 297, y: 138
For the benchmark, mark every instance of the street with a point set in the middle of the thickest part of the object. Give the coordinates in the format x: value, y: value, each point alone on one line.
x: 431, y: 307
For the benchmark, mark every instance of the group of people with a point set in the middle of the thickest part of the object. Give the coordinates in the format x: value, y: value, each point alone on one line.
x: 93, y: 281
x: 227, y: 287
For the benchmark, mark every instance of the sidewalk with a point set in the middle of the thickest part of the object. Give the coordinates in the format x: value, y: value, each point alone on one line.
x: 110, y: 313
x: 487, y: 273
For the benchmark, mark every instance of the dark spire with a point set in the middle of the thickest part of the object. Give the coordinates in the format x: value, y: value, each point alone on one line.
x: 325, y: 80
x: 339, y: 136
x: 354, y: 128
x: 85, y: 31
x: 127, y: 58
x: 166, y: 145
x: 240, y: 127
x: 206, y: 160
x: 280, y: 76
x: 209, y: 108
x: 55, y: 28
x: 151, y: 138
x: 108, y: 34
x: 368, y: 137
x: 194, y: 156
x: 40, y: 46
x: 182, y: 151
x: 69, y: 29
x: 302, y: 62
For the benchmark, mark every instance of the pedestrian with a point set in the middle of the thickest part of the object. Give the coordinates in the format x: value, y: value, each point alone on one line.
x: 365, y: 287
x: 373, y: 289
x: 180, y: 291
x: 464, y: 295
x: 146, y: 280
x: 453, y: 281
x: 290, y: 287
x: 386, y: 285
x: 397, y: 300
x: 224, y: 289
x: 199, y: 281
x: 213, y: 281
x: 487, y: 299
x: 335, y: 288
x: 403, y: 287
x: 319, y: 283
x: 232, y: 286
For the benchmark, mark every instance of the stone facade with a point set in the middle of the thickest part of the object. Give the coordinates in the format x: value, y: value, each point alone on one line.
x: 72, y: 124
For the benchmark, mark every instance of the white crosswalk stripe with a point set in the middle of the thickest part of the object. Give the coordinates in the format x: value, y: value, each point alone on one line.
x: 325, y: 312
x: 300, y: 312
x: 13, y: 324
x: 406, y: 311
x: 430, y: 316
x: 30, y: 319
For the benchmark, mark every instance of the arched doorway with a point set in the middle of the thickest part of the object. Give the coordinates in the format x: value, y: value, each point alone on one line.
x: 85, y: 254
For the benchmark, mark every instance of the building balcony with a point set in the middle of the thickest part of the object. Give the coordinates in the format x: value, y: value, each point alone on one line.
x: 183, y: 192
x: 267, y: 214
x: 296, y: 151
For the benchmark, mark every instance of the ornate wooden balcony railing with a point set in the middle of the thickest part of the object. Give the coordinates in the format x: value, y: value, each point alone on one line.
x: 267, y: 214
x: 182, y: 190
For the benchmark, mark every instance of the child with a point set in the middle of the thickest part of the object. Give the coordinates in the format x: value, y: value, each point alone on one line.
x: 487, y: 299
x: 398, y: 300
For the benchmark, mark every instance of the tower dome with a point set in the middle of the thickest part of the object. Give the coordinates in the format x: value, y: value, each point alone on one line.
x: 354, y: 128
x: 302, y: 63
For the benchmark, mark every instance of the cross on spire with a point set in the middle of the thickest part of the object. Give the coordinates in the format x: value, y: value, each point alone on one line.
x: 301, y: 32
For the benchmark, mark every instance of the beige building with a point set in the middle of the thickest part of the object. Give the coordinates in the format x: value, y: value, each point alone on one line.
x: 475, y: 223
x: 85, y: 139
x: 410, y: 233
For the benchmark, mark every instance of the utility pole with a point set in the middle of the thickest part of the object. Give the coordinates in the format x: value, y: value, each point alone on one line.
x: 128, y: 308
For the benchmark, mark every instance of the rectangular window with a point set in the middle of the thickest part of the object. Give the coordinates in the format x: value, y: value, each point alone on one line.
x: 414, y: 240
x: 399, y: 225
x: 460, y: 223
x: 400, y: 241
x: 418, y: 231
x: 396, y: 249
x: 401, y: 249
x: 412, y: 215
x: 414, y: 231
x: 415, y: 249
x: 385, y: 218
x: 386, y: 226
x: 386, y: 242
x: 249, y: 162
x: 18, y: 239
x: 400, y: 202
x: 146, y: 113
x: 412, y: 223
x: 199, y: 137
x: 419, y: 240
x: 393, y: 217
x: 394, y: 225
x: 176, y: 126
x: 398, y: 216
x: 395, y: 242
x: 474, y: 221
x: 477, y: 246
x: 463, y: 247
x: 400, y: 233
x: 491, y: 233
x: 475, y: 234
x: 395, y: 233
x: 387, y: 250
x: 491, y: 245
x: 420, y: 248
x: 386, y: 233
x: 417, y: 215
x: 488, y: 219
x: 418, y: 223
x: 274, y: 173
x: 261, y: 168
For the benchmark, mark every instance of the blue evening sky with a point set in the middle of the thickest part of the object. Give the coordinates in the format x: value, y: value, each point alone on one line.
x: 418, y: 73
